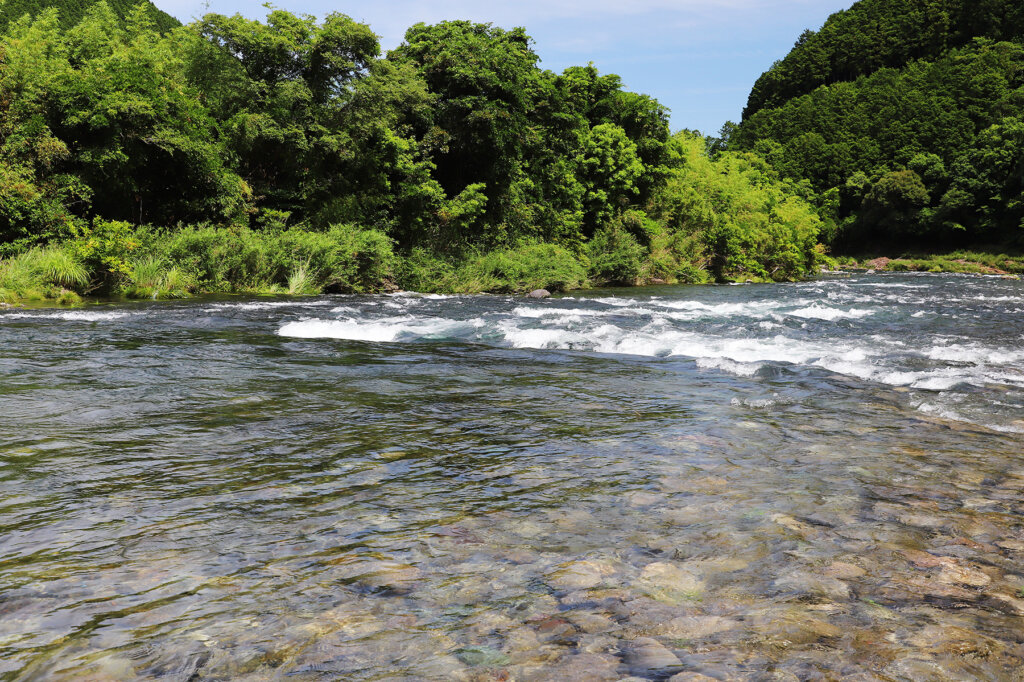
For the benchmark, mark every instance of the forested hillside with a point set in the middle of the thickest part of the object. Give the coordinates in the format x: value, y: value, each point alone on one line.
x: 904, y: 140
x: 882, y: 33
x: 246, y: 155
x: 72, y: 11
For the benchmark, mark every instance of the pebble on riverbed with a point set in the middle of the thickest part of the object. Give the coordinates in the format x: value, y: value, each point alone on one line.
x: 669, y: 583
x: 646, y: 655
x: 580, y: 575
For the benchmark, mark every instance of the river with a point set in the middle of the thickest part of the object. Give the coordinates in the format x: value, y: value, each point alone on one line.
x: 785, y: 482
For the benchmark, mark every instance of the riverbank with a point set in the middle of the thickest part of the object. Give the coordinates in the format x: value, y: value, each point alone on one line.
x: 120, y: 261
x: 964, y: 262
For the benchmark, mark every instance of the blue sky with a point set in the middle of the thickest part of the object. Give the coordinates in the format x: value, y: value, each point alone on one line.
x: 697, y: 57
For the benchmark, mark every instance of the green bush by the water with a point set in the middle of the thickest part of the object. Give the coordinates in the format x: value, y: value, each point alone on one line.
x: 343, y: 259
x: 42, y: 273
x: 965, y: 262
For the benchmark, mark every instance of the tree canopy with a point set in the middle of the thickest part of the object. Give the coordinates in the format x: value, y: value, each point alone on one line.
x: 453, y: 147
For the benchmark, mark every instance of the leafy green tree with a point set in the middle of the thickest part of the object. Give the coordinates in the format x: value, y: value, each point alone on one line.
x: 988, y: 184
x: 609, y: 170
x: 36, y: 199
x: 483, y: 80
x: 139, y: 135
x: 894, y: 202
x: 279, y: 89
x: 876, y: 34
x: 751, y: 223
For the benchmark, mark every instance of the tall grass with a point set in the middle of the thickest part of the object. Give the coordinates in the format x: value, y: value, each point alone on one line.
x: 152, y: 277
x: 302, y: 280
x: 42, y: 273
x: 144, y: 263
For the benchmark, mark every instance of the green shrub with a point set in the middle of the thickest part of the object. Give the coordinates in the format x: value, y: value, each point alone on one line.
x: 107, y: 249
x: 221, y: 259
x: 676, y: 257
x: 523, y: 268
x: 68, y: 298
x: 57, y: 267
x: 344, y: 259
x: 421, y: 270
x: 152, y: 277
x: 302, y: 281
x: 615, y: 256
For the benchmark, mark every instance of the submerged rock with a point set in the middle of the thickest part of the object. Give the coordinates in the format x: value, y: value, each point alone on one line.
x: 579, y: 575
x: 592, y: 622
x: 649, y: 656
x: 482, y: 656
x: 844, y: 571
x: 1009, y: 603
x: 953, y: 571
x: 955, y: 574
x: 798, y: 628
x: 696, y: 627
x: 801, y: 582
x: 585, y: 667
x: 669, y: 583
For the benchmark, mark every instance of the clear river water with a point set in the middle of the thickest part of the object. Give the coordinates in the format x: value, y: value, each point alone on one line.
x: 814, y: 481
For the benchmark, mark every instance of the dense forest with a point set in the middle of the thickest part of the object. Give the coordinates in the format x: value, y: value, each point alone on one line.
x: 72, y: 11
x: 905, y: 118
x: 144, y: 157
x: 290, y: 155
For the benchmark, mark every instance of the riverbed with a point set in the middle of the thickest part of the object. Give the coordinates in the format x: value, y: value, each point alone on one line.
x: 818, y: 480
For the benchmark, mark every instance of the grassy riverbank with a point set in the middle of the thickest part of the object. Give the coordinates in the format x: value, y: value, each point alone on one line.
x: 968, y: 262
x: 118, y: 260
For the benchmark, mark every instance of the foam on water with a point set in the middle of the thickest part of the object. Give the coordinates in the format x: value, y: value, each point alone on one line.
x: 744, y: 369
x: 735, y: 334
x: 384, y: 330
x: 820, y: 312
x: 271, y: 305
x: 976, y: 354
x: 888, y: 285
x: 70, y: 316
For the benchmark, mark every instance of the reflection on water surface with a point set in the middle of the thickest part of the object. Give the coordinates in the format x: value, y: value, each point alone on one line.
x: 487, y: 489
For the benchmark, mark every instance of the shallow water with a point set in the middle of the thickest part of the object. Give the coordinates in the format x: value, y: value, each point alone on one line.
x: 805, y: 481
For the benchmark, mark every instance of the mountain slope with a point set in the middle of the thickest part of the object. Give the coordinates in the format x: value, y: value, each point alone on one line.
x: 926, y: 152
x: 875, y: 34
x: 73, y: 10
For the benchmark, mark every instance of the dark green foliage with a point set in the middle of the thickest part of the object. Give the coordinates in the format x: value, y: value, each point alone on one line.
x: 455, y: 163
x: 749, y: 223
x: 902, y: 117
x: 525, y: 268
x: 615, y: 256
x: 875, y: 34
x: 72, y: 11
